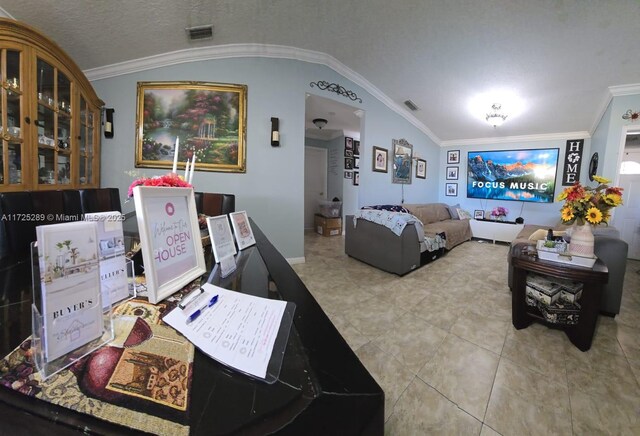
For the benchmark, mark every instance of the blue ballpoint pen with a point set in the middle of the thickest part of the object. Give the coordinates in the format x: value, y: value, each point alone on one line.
x: 198, y: 312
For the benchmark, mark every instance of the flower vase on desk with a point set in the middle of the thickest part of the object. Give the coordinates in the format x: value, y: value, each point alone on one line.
x: 582, y: 241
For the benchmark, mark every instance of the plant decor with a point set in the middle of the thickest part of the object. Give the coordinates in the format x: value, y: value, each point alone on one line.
x: 584, y: 204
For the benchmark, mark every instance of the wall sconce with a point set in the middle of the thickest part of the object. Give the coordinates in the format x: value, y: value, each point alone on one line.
x: 275, y: 132
x: 108, y: 123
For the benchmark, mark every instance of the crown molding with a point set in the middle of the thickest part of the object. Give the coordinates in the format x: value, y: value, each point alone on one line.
x: 603, y: 109
x: 254, y: 50
x: 4, y: 13
x: 631, y: 89
x: 521, y: 138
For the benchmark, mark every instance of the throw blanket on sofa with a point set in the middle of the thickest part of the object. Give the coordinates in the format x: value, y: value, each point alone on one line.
x: 395, y: 221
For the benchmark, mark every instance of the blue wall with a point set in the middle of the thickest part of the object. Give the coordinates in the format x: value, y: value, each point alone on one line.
x: 272, y: 190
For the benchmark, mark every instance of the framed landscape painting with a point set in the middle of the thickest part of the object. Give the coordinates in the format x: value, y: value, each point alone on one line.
x: 208, y: 120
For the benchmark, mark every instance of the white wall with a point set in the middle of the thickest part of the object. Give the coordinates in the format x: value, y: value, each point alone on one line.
x: 271, y: 191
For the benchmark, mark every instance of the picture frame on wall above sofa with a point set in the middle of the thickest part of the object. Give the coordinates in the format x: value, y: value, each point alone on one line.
x: 177, y: 120
x: 421, y: 168
x: 402, y: 161
x: 453, y: 156
x: 451, y: 190
x: 452, y: 173
x: 380, y: 159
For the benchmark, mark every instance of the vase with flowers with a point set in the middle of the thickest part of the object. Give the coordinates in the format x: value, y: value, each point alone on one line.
x: 499, y: 213
x: 585, y: 207
x: 168, y: 180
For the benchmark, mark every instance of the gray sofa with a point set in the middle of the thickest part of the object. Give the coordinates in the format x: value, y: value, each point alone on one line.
x: 378, y: 246
x: 609, y: 248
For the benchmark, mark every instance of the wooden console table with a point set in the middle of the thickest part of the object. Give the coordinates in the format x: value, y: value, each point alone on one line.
x: 495, y: 230
x: 524, y: 261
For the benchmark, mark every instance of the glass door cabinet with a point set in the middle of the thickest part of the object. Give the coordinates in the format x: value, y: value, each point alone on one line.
x: 49, y: 115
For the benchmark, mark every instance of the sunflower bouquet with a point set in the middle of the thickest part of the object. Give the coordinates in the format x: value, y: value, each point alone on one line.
x: 584, y: 204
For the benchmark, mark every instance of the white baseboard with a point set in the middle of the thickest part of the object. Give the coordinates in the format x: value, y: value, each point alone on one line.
x: 296, y: 260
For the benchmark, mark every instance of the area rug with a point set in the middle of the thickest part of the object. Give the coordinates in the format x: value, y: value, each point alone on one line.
x: 141, y: 380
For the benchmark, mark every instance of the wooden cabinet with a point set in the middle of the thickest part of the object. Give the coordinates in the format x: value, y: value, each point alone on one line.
x: 49, y: 115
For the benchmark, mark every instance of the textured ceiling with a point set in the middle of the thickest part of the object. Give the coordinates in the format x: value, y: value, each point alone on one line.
x: 558, y: 56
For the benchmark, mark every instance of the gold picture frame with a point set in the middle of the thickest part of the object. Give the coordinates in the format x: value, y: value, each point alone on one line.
x: 210, y: 120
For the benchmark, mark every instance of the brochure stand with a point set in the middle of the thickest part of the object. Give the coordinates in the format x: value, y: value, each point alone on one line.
x: 48, y: 368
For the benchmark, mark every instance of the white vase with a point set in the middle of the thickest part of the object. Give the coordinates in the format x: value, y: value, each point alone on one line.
x: 582, y: 241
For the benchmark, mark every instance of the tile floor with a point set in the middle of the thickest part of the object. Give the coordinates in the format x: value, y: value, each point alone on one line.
x: 440, y: 343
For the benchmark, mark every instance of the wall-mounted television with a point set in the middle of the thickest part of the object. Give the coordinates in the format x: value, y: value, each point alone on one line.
x: 519, y: 175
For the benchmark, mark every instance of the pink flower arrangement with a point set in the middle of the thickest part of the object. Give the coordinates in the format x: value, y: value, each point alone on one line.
x: 499, y: 211
x: 168, y: 180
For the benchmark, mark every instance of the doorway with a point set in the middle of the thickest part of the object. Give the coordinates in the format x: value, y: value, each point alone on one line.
x: 315, y: 182
x: 627, y: 215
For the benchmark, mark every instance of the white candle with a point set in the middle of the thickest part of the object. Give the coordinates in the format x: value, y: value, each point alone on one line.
x: 186, y: 171
x: 175, y: 155
x: 193, y: 166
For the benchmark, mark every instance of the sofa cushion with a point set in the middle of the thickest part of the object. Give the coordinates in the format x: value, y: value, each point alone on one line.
x: 456, y: 232
x: 429, y: 213
x: 453, y: 211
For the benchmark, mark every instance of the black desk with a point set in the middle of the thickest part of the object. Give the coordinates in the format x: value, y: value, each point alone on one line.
x: 323, y: 388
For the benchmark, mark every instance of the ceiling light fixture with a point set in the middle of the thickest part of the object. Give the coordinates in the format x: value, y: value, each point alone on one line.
x: 320, y: 122
x: 495, y: 117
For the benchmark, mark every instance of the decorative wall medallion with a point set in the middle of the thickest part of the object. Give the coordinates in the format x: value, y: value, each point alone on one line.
x: 631, y: 115
x: 338, y: 89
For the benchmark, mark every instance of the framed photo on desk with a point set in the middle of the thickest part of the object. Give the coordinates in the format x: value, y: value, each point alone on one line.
x: 221, y: 237
x: 242, y: 229
x: 170, y: 239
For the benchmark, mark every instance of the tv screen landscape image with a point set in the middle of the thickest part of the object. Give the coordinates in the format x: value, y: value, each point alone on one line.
x: 518, y: 175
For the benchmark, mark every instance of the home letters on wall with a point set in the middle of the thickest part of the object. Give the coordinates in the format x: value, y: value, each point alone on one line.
x: 572, y: 161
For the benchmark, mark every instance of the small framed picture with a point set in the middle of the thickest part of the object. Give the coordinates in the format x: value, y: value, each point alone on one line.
x: 356, y: 162
x: 348, y: 163
x: 452, y: 173
x: 380, y: 159
x: 421, y: 168
x: 356, y: 178
x: 453, y: 156
x: 242, y: 229
x: 348, y: 153
x: 451, y: 190
x: 221, y: 237
x: 356, y: 148
x: 478, y: 214
x: 348, y: 175
x: 348, y: 143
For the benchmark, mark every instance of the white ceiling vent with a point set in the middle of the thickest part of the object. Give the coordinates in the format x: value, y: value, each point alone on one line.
x: 197, y: 33
x: 411, y: 105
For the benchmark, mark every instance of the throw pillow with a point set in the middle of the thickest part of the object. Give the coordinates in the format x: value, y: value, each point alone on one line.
x: 453, y: 211
x: 463, y: 214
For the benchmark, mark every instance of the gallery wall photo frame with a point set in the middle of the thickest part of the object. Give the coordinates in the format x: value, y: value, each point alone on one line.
x: 242, y: 229
x: 170, y: 239
x: 210, y: 120
x: 356, y: 178
x: 356, y: 162
x: 453, y: 157
x: 452, y: 173
x: 380, y: 157
x: 348, y: 163
x: 348, y: 153
x: 421, y: 168
x: 356, y: 147
x: 451, y: 189
x: 402, y: 161
x: 348, y: 175
x: 348, y: 143
x: 222, y: 241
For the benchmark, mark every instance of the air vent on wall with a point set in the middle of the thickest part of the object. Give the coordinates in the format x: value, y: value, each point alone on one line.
x: 200, y: 32
x: 411, y: 105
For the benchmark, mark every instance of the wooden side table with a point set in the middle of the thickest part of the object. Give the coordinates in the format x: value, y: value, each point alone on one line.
x: 524, y: 261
